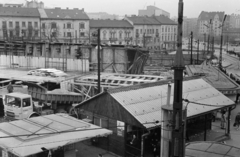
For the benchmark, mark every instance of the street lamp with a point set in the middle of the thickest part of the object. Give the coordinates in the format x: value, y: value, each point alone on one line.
x: 220, y: 56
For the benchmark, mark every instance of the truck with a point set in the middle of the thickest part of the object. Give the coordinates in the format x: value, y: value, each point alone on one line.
x: 39, y: 101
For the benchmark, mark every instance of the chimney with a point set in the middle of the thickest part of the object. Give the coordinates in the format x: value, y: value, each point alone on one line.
x: 83, y: 9
x: 67, y: 8
x: 169, y: 94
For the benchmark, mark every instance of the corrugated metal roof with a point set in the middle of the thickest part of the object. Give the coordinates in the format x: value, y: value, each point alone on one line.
x: 145, y: 103
x: 50, y: 131
x: 205, y: 149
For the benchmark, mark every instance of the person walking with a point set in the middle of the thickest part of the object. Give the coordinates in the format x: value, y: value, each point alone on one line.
x: 223, y: 119
x: 237, y: 121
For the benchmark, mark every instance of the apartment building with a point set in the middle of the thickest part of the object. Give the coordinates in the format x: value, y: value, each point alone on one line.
x: 155, y: 32
x: 69, y: 25
x: 210, y: 23
x: 235, y: 20
x: 19, y: 23
x: 112, y: 31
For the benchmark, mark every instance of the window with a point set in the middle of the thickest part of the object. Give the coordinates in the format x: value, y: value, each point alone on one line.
x: 68, y: 34
x: 104, y: 34
x: 141, y: 31
x: 17, y: 24
x: 136, y: 31
x: 82, y: 34
x: 36, y: 33
x: 82, y: 26
x: 120, y: 35
x: 26, y: 102
x: 162, y: 29
x: 43, y: 25
x: 69, y: 25
x: 10, y: 24
x: 54, y: 34
x: 53, y: 25
x: 17, y: 33
x: 152, y: 31
x: 44, y: 34
x: 23, y: 24
x: 36, y: 24
x: 29, y: 24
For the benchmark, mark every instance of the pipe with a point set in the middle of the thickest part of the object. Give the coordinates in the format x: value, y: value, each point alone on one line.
x: 169, y: 94
x: 142, y: 143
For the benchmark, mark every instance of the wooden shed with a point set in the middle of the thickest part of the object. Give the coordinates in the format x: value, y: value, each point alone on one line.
x: 134, y: 113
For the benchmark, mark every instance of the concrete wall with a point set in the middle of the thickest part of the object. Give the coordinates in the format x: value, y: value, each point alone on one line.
x: 28, y: 62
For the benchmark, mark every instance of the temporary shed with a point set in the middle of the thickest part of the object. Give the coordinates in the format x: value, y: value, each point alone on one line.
x: 137, y: 108
x: 36, y: 135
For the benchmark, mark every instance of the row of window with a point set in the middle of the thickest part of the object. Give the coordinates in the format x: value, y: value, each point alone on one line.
x: 23, y: 33
x: 152, y: 31
x: 114, y: 34
x: 65, y: 25
x: 30, y: 24
x: 17, y: 24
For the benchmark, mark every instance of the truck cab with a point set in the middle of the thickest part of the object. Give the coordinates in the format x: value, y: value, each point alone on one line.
x: 17, y: 106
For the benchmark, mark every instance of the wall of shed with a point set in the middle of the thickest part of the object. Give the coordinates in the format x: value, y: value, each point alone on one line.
x: 107, y: 108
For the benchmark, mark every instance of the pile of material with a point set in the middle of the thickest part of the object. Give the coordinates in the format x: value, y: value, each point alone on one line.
x: 47, y: 72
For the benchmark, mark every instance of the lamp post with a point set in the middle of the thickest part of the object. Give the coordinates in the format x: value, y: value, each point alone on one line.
x: 220, y: 56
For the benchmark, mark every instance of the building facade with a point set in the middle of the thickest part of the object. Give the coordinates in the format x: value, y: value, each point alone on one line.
x: 155, y: 32
x: 19, y: 23
x: 209, y: 23
x: 235, y: 20
x: 112, y: 31
x: 34, y: 4
x: 153, y: 11
x: 70, y: 25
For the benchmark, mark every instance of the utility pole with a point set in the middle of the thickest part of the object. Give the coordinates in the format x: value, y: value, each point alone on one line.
x: 144, y: 40
x: 197, y: 50
x: 212, y: 46
x: 98, y: 48
x: 220, y: 56
x: 178, y: 131
x: 204, y: 43
x: 227, y: 42
x: 191, y: 35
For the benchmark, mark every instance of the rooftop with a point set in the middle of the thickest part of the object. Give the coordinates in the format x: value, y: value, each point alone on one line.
x: 19, y: 12
x: 153, y: 20
x: 58, y: 13
x: 110, y: 24
x: 210, y: 15
x: 50, y: 131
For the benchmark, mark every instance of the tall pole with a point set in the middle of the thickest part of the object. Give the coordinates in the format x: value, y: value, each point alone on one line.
x: 98, y: 48
x: 220, y: 56
x: 178, y: 140
x: 144, y: 41
x: 204, y: 43
x: 191, y: 35
x: 197, y: 50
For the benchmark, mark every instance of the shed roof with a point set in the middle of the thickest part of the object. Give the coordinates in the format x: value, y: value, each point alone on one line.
x: 197, y: 149
x: 144, y: 101
x: 49, y: 131
x: 110, y: 24
x: 19, y: 12
x: 164, y: 20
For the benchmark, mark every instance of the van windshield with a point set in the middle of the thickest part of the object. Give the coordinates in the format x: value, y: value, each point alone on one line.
x: 13, y: 101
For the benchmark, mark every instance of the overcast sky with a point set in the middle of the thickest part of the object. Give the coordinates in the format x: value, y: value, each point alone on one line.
x: 192, y: 8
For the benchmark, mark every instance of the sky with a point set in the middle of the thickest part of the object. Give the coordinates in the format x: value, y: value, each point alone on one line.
x: 192, y: 8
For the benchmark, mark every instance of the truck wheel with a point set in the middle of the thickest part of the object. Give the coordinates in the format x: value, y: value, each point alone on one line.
x: 34, y: 115
x: 60, y: 110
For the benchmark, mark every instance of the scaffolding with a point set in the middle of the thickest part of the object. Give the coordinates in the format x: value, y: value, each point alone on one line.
x: 87, y: 85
